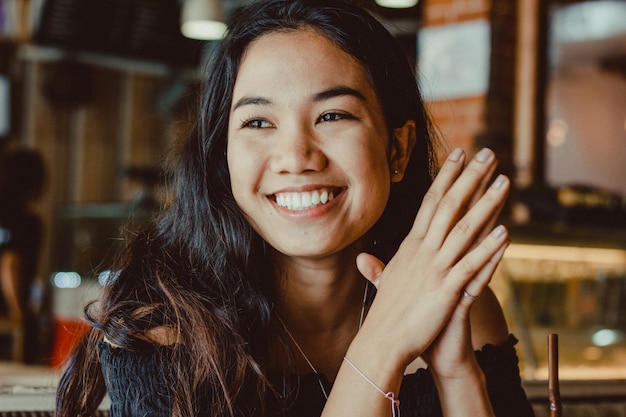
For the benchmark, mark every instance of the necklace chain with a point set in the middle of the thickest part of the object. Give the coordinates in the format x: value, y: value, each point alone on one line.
x: 308, y: 361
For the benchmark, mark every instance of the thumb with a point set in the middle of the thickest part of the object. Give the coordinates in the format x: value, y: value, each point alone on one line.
x: 370, y: 267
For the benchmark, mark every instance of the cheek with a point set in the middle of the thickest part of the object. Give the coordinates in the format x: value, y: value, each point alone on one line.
x: 377, y: 174
x: 236, y: 171
x: 245, y: 171
x: 370, y: 169
x: 373, y: 161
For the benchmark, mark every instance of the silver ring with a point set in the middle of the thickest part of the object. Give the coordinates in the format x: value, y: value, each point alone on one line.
x: 470, y: 296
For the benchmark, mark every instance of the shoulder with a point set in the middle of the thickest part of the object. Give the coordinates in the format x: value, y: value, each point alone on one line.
x: 139, y: 363
x: 487, y: 321
x: 158, y: 336
x: 138, y: 383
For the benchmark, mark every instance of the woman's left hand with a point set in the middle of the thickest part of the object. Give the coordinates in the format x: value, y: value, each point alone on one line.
x: 451, y: 355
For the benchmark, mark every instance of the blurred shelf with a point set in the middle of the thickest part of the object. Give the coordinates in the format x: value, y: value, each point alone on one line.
x: 38, y: 53
x: 578, y: 390
x: 102, y: 210
x: 566, y: 235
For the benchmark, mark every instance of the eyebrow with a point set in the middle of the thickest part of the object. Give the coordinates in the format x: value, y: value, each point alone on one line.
x: 321, y: 96
x: 338, y: 92
x: 245, y: 101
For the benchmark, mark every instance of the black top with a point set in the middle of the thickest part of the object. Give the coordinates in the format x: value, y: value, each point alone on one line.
x: 137, y: 387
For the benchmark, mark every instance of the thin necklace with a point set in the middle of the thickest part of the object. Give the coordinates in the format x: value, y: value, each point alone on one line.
x: 293, y: 339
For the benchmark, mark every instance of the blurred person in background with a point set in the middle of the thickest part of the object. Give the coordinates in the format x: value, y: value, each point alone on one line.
x: 22, y: 179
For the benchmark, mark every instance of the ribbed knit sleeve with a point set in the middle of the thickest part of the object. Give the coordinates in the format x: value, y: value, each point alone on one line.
x: 136, y: 386
x: 419, y: 397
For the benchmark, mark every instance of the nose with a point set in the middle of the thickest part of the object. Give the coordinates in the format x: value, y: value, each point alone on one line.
x: 297, y: 151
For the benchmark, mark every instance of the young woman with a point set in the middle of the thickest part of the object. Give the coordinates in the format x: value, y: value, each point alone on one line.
x: 293, y: 258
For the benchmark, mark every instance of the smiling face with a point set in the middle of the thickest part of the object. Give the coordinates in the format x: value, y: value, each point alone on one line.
x: 308, y: 148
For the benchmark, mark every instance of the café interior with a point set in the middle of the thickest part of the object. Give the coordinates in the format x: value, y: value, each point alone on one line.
x: 105, y: 91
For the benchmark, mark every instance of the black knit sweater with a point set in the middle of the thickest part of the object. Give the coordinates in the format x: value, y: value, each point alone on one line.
x: 137, y: 388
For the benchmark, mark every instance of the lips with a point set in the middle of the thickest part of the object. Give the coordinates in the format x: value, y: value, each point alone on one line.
x: 305, y: 200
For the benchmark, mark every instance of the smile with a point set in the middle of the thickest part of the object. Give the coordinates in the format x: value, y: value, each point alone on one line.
x: 304, y: 200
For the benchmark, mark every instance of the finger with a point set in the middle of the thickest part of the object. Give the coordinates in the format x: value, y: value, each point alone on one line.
x: 467, y: 230
x: 469, y: 267
x: 370, y: 267
x: 484, y: 185
x: 491, y: 223
x: 455, y: 202
x: 475, y: 287
x: 449, y: 172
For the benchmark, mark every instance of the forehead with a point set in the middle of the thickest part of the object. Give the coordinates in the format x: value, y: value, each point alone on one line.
x: 305, y: 52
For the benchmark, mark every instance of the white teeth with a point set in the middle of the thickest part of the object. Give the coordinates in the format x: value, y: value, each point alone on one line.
x: 305, y: 200
x: 315, y: 199
x: 296, y: 201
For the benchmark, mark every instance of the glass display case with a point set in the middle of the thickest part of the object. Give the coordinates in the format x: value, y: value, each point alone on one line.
x: 572, y: 283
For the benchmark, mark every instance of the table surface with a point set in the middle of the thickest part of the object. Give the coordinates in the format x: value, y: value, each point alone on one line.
x: 29, y: 388
x: 32, y: 388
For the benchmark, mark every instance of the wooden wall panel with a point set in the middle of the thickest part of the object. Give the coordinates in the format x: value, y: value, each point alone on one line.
x: 147, y: 127
x: 98, y: 132
x: 90, y: 123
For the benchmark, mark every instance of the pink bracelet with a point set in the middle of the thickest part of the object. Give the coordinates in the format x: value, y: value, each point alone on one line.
x: 395, y: 404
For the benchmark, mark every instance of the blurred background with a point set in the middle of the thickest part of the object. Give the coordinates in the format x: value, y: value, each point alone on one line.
x: 103, y: 90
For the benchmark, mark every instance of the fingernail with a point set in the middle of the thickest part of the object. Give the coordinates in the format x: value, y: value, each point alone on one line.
x: 498, y: 231
x: 456, y: 155
x: 484, y: 155
x: 499, y: 182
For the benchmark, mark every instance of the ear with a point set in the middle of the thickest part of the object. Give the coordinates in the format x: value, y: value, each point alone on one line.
x: 401, y: 146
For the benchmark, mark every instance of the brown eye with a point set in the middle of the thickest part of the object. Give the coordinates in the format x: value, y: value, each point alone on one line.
x: 256, y: 124
x: 332, y: 117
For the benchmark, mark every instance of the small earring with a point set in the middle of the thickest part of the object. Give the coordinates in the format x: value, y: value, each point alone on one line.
x: 395, y: 172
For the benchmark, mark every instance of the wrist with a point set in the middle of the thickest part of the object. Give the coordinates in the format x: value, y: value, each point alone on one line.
x: 468, y: 370
x: 378, y: 357
x: 368, y: 374
x: 464, y: 394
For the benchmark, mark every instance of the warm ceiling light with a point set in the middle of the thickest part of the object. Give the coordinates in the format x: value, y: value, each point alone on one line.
x: 397, y: 4
x: 202, y: 19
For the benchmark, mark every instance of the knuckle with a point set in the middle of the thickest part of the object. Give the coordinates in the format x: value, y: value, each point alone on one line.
x: 466, y: 267
x: 492, y: 194
x: 431, y: 197
x: 448, y: 203
x: 475, y: 168
x: 462, y: 227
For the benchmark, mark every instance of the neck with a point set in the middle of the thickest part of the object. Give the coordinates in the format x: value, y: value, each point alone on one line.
x: 320, y: 302
x: 318, y: 296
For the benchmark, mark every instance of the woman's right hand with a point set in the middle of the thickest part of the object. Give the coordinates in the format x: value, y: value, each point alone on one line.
x: 451, y: 242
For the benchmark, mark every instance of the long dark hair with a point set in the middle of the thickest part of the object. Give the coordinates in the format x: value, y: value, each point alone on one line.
x: 199, y: 270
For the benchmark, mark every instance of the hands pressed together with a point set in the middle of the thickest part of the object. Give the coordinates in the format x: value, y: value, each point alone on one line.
x: 426, y: 291
x: 448, y: 258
